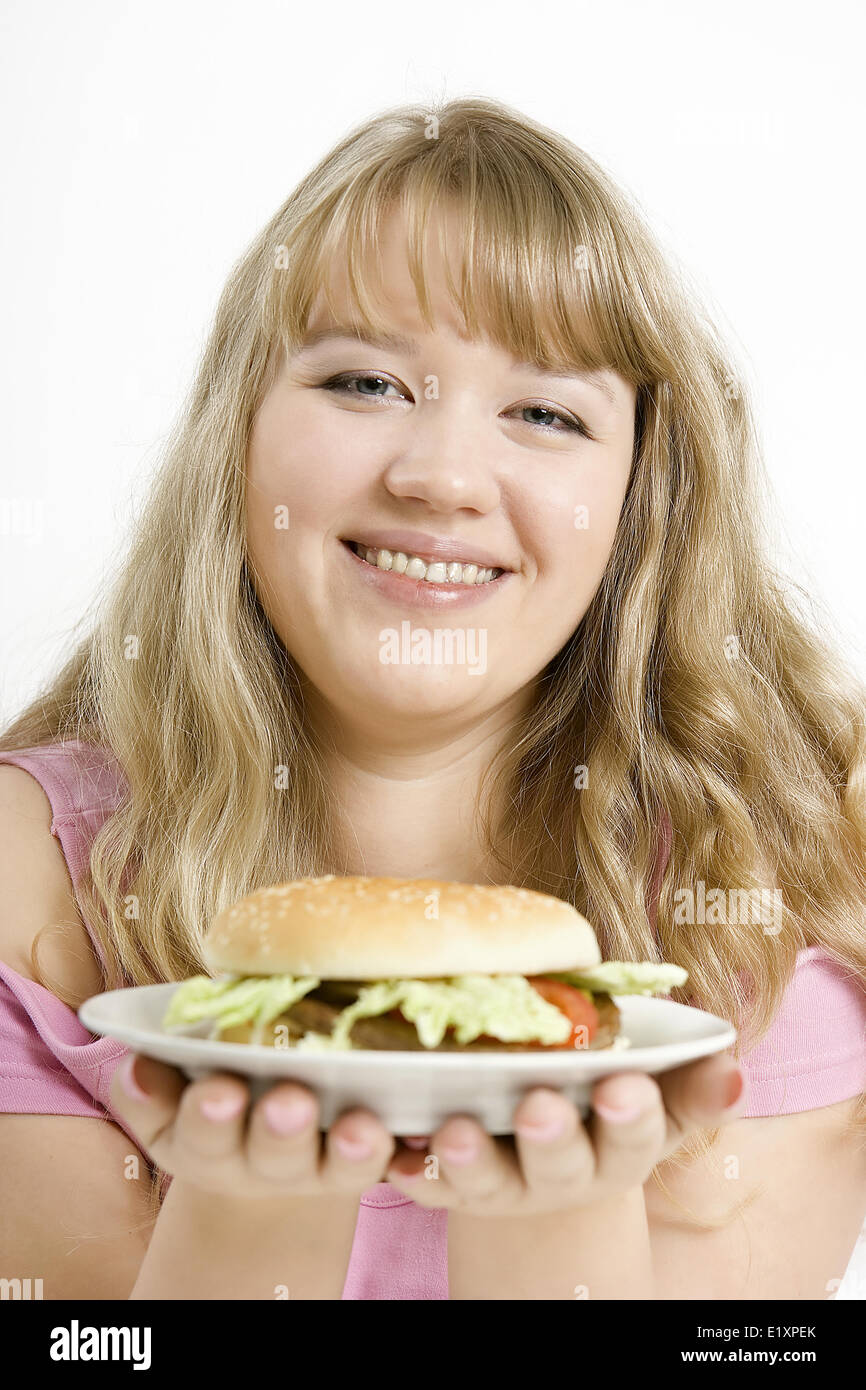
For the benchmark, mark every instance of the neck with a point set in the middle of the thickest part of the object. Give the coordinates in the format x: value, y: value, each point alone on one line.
x: 408, y: 799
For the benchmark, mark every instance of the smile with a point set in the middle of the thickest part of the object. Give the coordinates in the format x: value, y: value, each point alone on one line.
x: 410, y: 584
x: 414, y: 567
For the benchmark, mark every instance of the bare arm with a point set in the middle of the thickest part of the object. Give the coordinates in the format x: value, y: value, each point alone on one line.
x: 593, y: 1252
x: 217, y: 1247
x: 74, y: 1190
x: 72, y: 1219
x: 73, y: 1208
x: 68, y: 1215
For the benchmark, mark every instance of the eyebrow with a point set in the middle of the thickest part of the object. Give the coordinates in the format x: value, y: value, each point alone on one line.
x: 397, y: 342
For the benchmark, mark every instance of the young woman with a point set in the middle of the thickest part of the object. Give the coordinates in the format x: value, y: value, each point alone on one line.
x: 452, y: 384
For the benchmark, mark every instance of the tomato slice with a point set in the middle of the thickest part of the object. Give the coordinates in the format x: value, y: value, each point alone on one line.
x: 580, y: 1011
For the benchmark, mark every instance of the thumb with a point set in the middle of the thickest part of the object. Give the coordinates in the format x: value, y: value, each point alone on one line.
x: 700, y: 1095
x: 146, y: 1094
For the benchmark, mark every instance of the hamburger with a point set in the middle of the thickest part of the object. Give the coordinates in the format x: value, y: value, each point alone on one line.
x: 394, y: 964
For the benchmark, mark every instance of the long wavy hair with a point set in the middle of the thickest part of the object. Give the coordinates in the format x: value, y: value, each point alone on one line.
x: 692, y: 685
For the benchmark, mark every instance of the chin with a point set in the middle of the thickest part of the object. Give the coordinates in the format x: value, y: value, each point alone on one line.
x: 409, y: 708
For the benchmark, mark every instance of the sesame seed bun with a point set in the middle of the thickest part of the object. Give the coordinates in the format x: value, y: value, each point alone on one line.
x: 364, y: 928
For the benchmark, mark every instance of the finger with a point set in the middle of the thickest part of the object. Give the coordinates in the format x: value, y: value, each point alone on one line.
x: 211, y: 1119
x: 145, y: 1093
x: 469, y: 1168
x: 283, y: 1140
x: 627, y: 1128
x: 357, y: 1150
x: 553, y: 1147
x: 702, y: 1094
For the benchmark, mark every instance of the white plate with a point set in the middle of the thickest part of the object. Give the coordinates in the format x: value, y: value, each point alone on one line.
x: 413, y: 1092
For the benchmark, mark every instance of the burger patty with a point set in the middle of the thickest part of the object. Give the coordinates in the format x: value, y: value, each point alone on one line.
x: 318, y: 1011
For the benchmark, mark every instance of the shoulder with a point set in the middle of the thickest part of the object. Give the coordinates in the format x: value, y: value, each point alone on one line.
x: 36, y: 891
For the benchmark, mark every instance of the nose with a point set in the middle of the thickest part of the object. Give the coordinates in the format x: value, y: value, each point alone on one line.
x: 445, y: 463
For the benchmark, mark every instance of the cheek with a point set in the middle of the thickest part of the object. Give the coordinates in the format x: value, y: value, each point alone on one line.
x: 594, y: 520
x: 299, y: 475
x: 571, y: 524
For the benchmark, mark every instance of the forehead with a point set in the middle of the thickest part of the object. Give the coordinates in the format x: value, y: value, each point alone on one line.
x: 375, y: 296
x: 404, y: 285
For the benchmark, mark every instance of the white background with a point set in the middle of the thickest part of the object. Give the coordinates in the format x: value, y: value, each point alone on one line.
x: 144, y: 144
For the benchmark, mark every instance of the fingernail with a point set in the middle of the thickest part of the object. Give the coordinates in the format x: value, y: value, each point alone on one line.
x: 551, y: 1129
x: 730, y: 1088
x: 459, y: 1153
x: 352, y: 1148
x: 288, y: 1117
x: 539, y: 1121
x: 221, y: 1108
x: 617, y: 1115
x: 416, y: 1141
x: 128, y: 1078
x: 626, y: 1104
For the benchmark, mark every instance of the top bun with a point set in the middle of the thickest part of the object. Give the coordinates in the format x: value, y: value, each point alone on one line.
x: 364, y: 928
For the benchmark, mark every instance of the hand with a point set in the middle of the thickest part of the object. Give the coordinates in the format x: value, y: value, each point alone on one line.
x: 199, y: 1131
x: 580, y: 1163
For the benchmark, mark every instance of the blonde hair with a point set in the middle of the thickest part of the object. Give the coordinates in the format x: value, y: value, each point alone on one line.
x: 691, y: 685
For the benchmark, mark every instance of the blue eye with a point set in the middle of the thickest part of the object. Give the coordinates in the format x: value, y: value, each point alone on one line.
x: 342, y: 383
x: 575, y: 425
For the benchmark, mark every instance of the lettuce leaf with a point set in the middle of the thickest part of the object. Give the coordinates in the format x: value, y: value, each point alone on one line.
x: 256, y: 999
x: 503, y: 1006
x: 625, y: 977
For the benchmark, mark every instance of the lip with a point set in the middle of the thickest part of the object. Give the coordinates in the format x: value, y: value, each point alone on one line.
x: 430, y: 548
x: 417, y: 592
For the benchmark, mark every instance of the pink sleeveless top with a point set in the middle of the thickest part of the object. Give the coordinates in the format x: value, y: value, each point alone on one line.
x: 814, y: 1054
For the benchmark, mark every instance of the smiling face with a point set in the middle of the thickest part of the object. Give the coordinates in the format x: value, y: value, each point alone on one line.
x: 438, y: 448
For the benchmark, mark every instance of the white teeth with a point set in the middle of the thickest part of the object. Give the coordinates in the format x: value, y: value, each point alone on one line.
x: 436, y: 572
